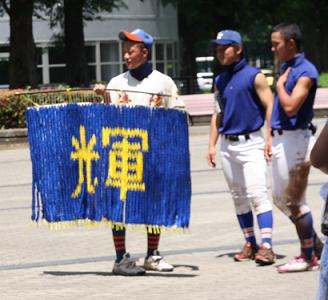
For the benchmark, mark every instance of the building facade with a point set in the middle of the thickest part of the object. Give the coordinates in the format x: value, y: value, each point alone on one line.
x: 104, y: 51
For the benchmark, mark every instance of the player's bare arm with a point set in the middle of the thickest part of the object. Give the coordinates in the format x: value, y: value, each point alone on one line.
x: 291, y: 103
x: 319, y: 158
x: 264, y: 92
x: 214, y: 135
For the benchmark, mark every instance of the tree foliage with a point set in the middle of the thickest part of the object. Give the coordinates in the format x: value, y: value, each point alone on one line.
x: 70, y: 15
x: 199, y: 21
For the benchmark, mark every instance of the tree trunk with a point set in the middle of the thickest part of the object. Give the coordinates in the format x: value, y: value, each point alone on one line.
x: 22, y: 60
x: 76, y: 61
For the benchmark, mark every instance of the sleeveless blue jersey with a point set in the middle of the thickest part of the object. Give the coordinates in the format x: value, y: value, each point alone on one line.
x: 300, y: 67
x: 242, y: 111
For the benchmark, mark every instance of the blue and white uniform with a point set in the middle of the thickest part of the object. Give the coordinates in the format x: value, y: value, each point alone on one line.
x: 242, y: 148
x: 238, y: 100
x: 292, y: 140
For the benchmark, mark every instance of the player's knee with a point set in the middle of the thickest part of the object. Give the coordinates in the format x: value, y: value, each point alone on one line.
x: 241, y: 203
x: 294, y: 210
x: 297, y: 211
x: 281, y: 205
x: 242, y: 208
x: 258, y: 197
x: 261, y: 204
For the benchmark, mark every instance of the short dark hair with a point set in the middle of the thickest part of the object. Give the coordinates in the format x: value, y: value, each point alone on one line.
x: 289, y: 31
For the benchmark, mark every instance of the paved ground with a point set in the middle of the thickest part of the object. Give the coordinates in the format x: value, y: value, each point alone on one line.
x: 76, y: 263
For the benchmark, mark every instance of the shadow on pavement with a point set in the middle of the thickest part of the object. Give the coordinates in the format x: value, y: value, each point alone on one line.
x: 81, y: 273
x: 191, y: 267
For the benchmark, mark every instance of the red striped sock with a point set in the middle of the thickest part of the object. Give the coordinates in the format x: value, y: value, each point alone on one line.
x: 153, y: 242
x: 119, y: 243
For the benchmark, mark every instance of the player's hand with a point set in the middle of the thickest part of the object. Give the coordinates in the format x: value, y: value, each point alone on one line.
x: 267, y: 149
x: 211, y: 154
x: 99, y: 89
x: 283, y: 78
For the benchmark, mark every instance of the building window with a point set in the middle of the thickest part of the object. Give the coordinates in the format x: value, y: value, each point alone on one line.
x: 56, y: 65
x: 4, y: 66
x: 57, y: 74
x: 159, y: 52
x: 92, y: 73
x: 104, y: 61
x: 90, y: 53
x: 165, y: 58
x: 92, y: 62
x: 109, y: 71
x: 109, y: 52
x: 57, y: 70
x: 56, y: 55
x: 109, y: 60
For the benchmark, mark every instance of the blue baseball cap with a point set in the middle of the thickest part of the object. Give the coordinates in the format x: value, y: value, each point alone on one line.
x: 228, y: 37
x: 137, y: 35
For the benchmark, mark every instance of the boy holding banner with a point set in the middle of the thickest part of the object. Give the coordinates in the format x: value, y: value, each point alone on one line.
x: 140, y: 85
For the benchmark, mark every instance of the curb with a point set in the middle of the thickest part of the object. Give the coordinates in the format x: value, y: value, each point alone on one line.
x: 13, y: 133
x: 13, y: 136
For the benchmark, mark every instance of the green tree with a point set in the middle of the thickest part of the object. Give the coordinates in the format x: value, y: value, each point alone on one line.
x: 314, y: 25
x: 310, y: 15
x: 71, y: 14
x: 199, y: 21
x: 76, y: 60
x: 22, y: 59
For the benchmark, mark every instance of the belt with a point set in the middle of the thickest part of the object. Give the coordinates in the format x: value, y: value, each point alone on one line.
x: 237, y: 137
x: 280, y: 131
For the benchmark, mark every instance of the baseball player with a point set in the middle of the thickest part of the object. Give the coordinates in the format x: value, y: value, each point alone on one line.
x: 148, y: 85
x: 293, y: 139
x: 244, y: 102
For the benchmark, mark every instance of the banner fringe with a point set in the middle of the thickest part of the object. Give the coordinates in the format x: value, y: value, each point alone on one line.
x: 54, y: 226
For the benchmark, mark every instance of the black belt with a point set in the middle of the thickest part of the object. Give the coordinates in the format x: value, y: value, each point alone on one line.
x: 280, y: 131
x: 236, y: 137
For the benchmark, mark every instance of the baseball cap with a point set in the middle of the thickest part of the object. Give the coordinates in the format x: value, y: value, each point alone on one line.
x: 137, y: 35
x: 227, y: 37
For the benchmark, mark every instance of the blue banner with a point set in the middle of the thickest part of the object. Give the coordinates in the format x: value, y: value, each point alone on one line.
x: 125, y: 165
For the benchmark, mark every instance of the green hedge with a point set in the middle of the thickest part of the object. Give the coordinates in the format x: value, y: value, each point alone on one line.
x: 13, y: 104
x: 323, y: 81
x: 12, y: 112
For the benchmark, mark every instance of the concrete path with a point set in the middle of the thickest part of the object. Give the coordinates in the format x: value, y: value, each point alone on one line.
x: 76, y: 263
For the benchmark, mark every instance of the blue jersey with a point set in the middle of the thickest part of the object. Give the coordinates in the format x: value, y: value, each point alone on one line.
x: 242, y: 111
x: 300, y: 67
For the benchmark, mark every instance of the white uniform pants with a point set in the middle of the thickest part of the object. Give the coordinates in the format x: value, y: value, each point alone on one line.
x: 245, y: 170
x: 290, y: 168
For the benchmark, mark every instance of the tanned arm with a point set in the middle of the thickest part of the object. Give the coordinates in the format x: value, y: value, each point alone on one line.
x: 264, y: 92
x: 292, y: 103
